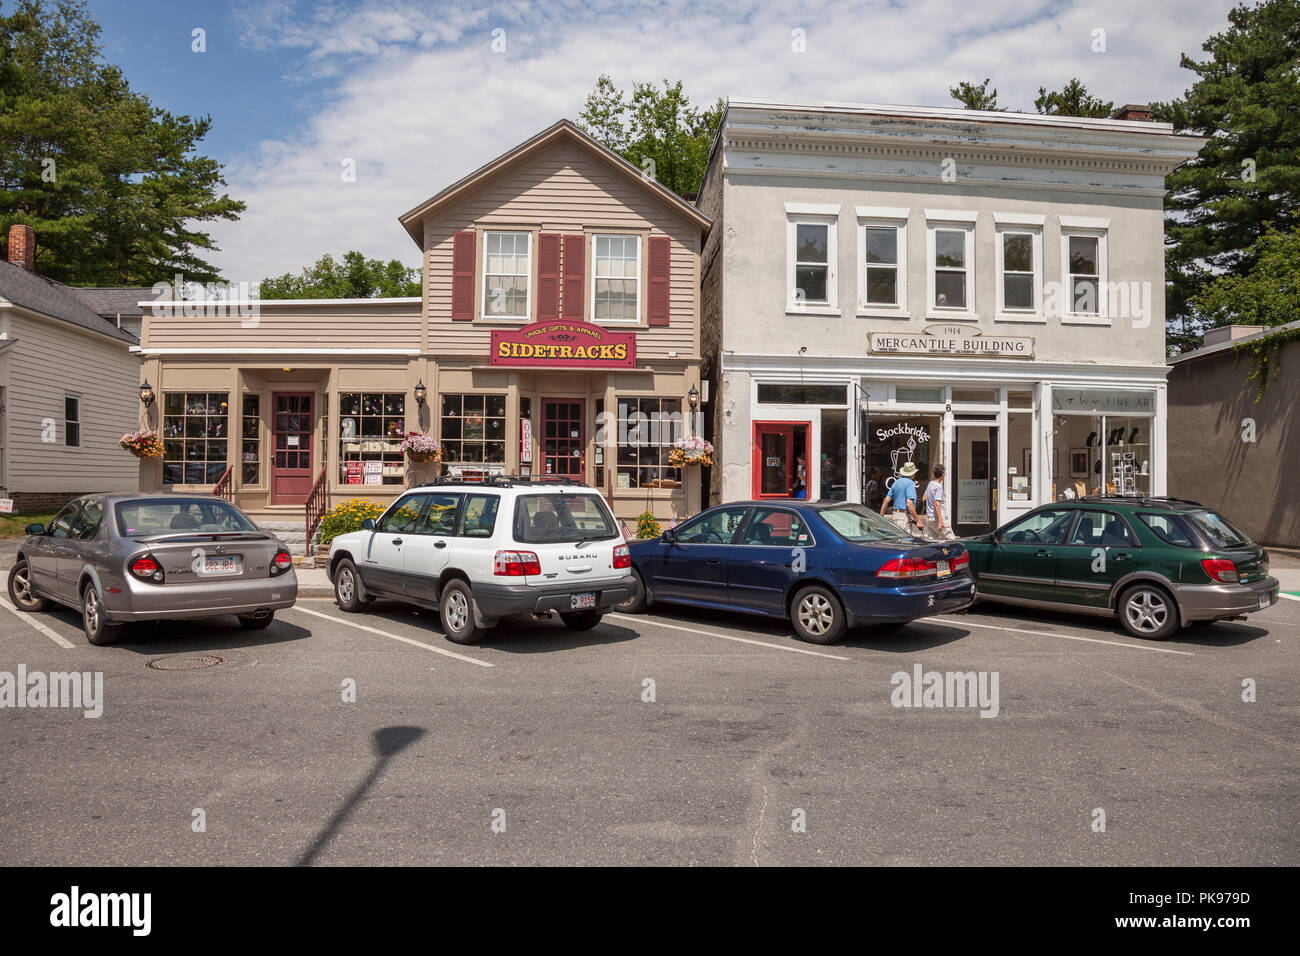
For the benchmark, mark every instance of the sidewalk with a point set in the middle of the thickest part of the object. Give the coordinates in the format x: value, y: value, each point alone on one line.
x: 313, y: 583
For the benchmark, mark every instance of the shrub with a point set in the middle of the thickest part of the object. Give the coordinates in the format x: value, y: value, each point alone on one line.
x: 647, y: 525
x: 347, y: 516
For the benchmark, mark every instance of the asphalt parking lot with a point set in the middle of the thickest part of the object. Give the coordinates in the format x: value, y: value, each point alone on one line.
x: 542, y: 745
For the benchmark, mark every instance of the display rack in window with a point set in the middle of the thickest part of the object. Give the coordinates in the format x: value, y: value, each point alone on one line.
x: 371, y: 428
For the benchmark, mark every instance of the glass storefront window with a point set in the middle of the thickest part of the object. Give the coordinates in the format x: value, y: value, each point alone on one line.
x: 801, y: 394
x: 647, y: 428
x: 975, y: 396
x: 194, y: 437
x: 250, y: 441
x: 891, y: 443
x: 1102, y: 454
x: 834, y: 454
x: 921, y: 396
x: 1020, y: 456
x: 371, y: 427
x: 473, y: 429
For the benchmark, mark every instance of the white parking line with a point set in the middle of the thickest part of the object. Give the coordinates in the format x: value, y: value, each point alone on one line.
x: 1289, y: 597
x: 725, y: 637
x: 53, y: 635
x: 1066, y: 637
x: 396, y: 637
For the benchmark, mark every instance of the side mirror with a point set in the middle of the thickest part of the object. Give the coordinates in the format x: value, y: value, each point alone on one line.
x: 368, y: 524
x: 35, y: 529
x: 996, y: 537
x: 669, y: 536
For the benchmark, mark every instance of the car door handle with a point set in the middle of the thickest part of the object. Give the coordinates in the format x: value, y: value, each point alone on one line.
x: 1043, y: 554
x: 397, y: 541
x: 440, y: 544
x: 715, y: 560
x: 1123, y: 557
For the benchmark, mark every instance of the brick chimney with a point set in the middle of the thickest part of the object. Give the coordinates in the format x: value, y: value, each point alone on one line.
x: 1137, y: 112
x: 22, y: 246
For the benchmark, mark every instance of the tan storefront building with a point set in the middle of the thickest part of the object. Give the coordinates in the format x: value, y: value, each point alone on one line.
x: 558, y: 334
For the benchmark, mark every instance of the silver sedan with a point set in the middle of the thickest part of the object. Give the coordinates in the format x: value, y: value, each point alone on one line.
x: 123, y: 558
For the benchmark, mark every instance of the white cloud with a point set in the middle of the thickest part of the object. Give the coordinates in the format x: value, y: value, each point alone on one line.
x: 420, y: 99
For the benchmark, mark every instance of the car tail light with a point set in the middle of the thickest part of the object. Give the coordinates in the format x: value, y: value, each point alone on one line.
x: 961, y: 561
x: 907, y: 568
x: 1220, y: 569
x: 622, y: 557
x: 281, y: 563
x: 516, y: 563
x: 147, y: 568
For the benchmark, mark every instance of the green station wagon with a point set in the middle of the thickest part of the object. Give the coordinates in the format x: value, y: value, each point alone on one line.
x: 1156, y: 563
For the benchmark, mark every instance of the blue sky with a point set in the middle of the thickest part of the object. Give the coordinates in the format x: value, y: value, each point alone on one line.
x: 413, y: 92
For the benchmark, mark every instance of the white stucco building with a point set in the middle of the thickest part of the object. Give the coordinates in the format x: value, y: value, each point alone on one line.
x: 980, y: 289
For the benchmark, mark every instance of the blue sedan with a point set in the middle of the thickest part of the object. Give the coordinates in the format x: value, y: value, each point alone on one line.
x: 828, y: 566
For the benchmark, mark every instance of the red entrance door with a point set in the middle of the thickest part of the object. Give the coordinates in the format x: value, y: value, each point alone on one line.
x: 562, y: 435
x: 291, y: 465
x: 778, y: 446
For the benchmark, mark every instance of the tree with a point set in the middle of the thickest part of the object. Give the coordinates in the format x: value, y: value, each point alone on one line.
x: 1266, y: 293
x: 356, y: 277
x: 976, y: 97
x: 111, y: 184
x: 1246, y: 100
x: 656, y: 130
x: 1072, y: 100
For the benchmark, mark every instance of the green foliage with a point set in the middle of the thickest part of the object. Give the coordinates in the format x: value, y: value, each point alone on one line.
x: 1266, y: 294
x: 111, y: 184
x: 647, y: 525
x: 976, y: 97
x: 347, y: 516
x: 356, y: 277
x: 1247, y: 101
x: 656, y: 130
x: 1072, y: 99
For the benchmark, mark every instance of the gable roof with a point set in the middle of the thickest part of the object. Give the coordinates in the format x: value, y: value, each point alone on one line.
x: 33, y: 291
x: 563, y: 130
x: 112, y: 301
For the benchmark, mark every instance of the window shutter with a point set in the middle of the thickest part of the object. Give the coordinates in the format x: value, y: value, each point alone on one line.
x: 575, y: 276
x: 463, y: 247
x: 548, y: 276
x: 659, y: 276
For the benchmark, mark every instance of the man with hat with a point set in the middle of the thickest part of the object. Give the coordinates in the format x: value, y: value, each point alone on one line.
x: 899, y: 505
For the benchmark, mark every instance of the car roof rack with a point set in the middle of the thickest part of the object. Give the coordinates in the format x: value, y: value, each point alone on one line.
x: 507, y: 481
x: 1143, y: 499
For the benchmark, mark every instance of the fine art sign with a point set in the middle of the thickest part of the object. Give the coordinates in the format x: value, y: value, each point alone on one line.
x: 563, y: 344
x: 952, y: 340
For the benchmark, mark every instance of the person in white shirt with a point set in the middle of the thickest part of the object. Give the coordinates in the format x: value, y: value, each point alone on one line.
x: 935, y: 525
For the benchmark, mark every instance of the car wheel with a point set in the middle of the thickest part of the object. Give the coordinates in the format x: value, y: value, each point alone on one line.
x: 256, y: 621
x: 636, y: 604
x: 457, y: 609
x: 347, y: 587
x: 817, y: 616
x: 581, y: 620
x: 94, y: 619
x: 20, y: 589
x: 1148, y: 611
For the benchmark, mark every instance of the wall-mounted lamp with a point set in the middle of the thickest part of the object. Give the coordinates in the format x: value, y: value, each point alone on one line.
x: 693, y: 398
x: 420, y: 391
x: 146, y: 394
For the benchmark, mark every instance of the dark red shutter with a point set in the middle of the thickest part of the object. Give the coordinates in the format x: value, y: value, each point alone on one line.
x: 463, y: 245
x: 575, y: 277
x: 659, y: 276
x: 548, y: 276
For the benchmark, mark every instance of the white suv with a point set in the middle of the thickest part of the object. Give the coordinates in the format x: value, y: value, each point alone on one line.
x: 480, y: 551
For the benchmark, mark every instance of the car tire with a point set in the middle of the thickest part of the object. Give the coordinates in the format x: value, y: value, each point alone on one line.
x: 456, y: 608
x: 1148, y: 611
x: 817, y: 616
x: 347, y: 588
x: 94, y: 620
x: 581, y: 620
x: 256, y: 622
x: 20, y: 589
x: 638, y: 602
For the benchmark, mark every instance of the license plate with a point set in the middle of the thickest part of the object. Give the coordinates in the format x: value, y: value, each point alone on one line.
x: 944, y: 569
x: 1264, y: 601
x: 581, y: 602
x: 226, y: 565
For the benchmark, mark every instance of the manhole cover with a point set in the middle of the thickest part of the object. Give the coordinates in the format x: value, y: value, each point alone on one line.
x: 184, y: 663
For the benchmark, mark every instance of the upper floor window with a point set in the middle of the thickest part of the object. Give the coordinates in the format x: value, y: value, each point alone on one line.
x: 507, y: 257
x: 1020, y: 272
x: 882, y: 262
x: 71, y: 421
x: 810, y: 257
x: 616, y: 279
x: 1084, y: 270
x: 952, y: 254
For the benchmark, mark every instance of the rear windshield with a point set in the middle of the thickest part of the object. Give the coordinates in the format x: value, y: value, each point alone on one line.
x: 557, y: 516
x: 1180, y: 529
x: 856, y: 523
x: 178, y: 515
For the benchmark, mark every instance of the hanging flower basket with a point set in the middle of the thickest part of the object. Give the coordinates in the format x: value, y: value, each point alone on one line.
x: 690, y: 451
x: 420, y: 448
x: 146, y: 444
